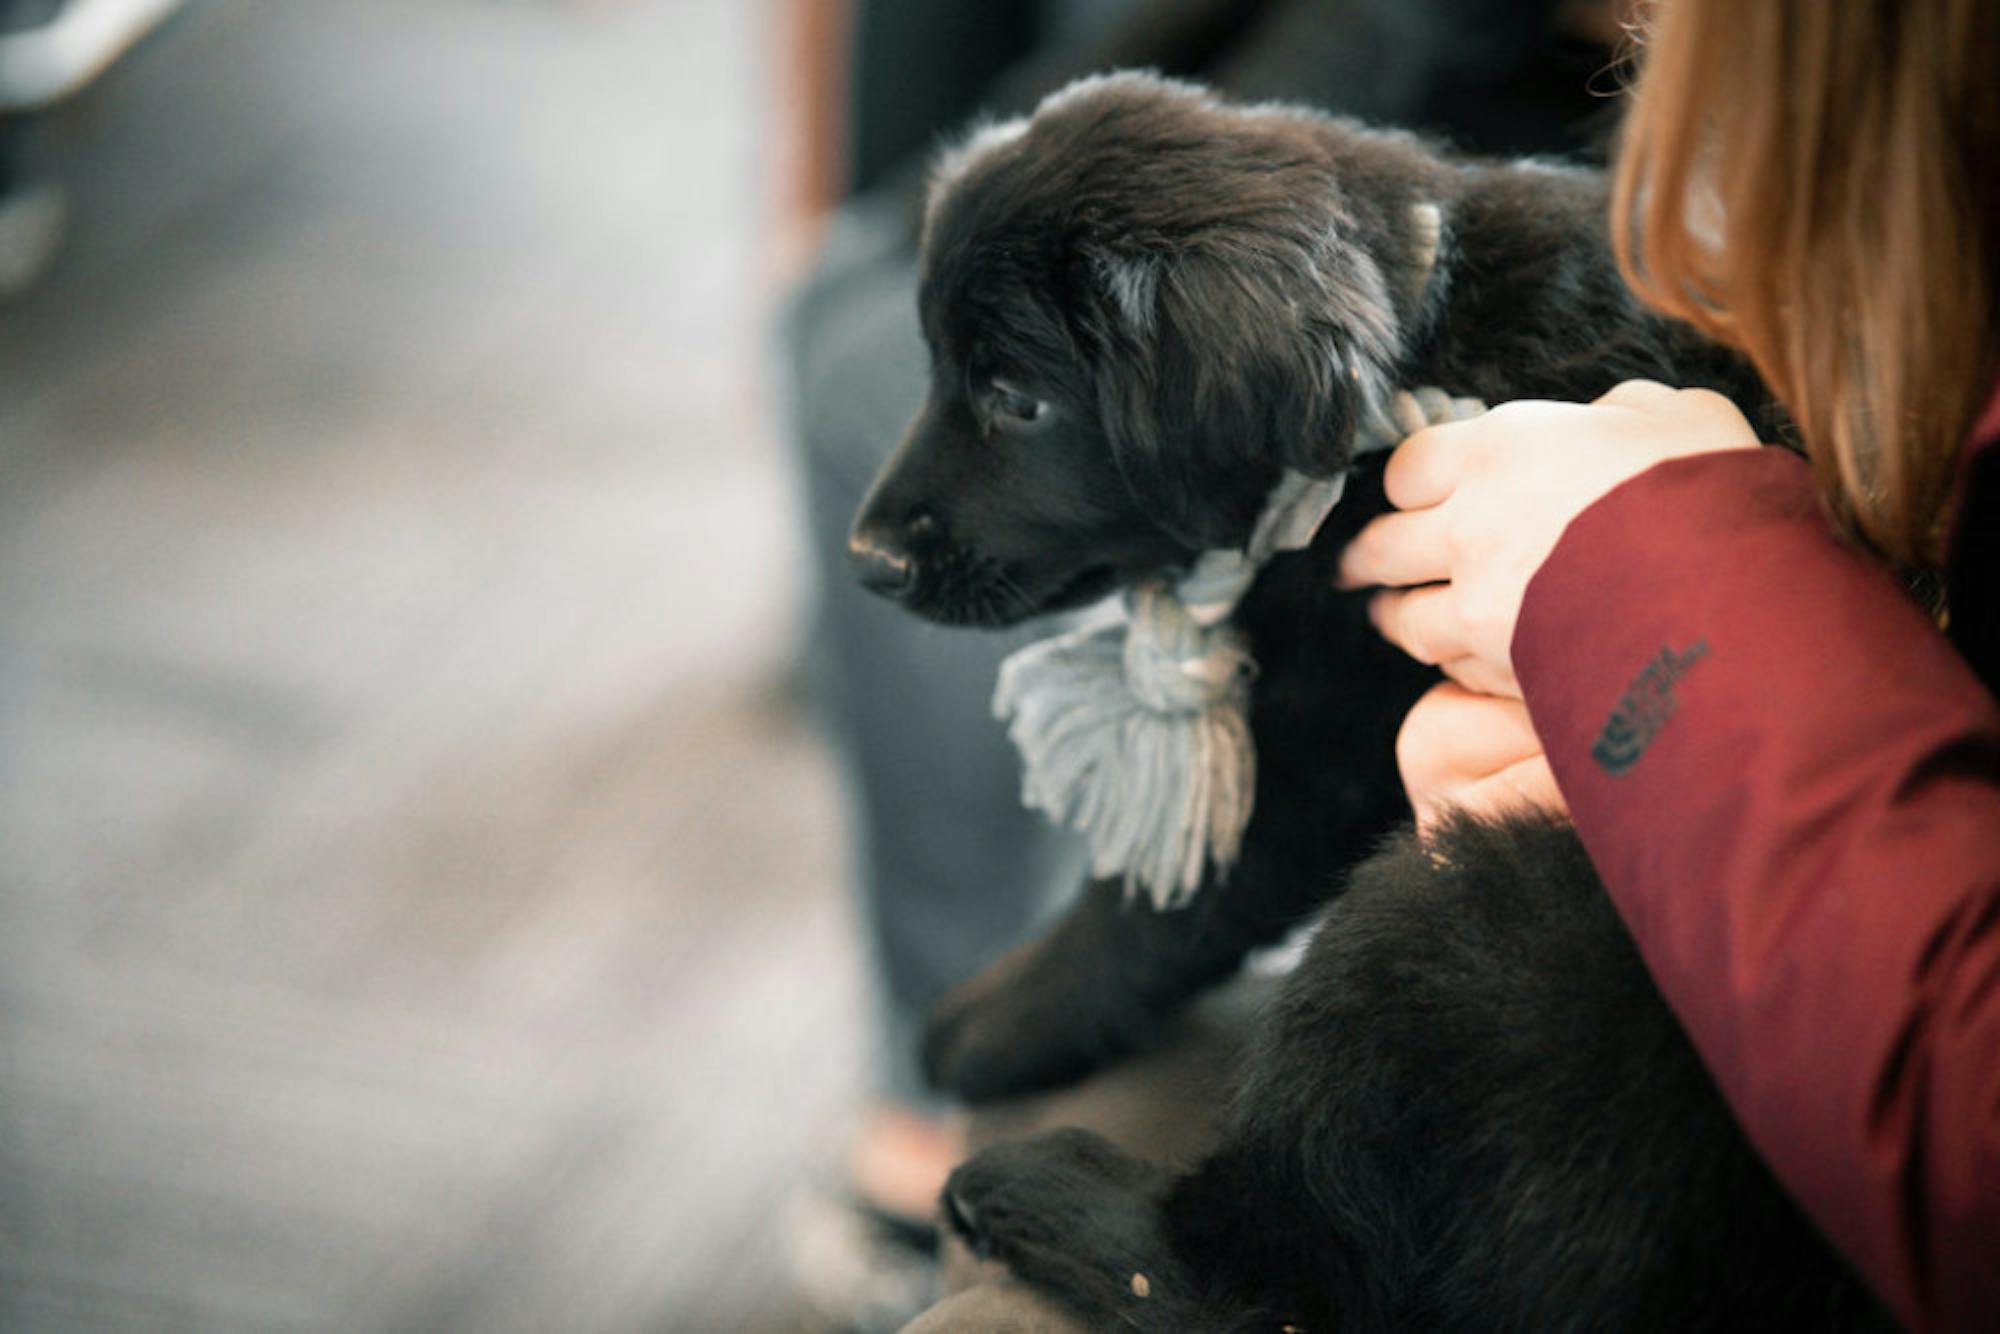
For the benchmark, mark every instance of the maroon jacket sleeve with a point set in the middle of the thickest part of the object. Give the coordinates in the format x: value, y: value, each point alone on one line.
x: 1790, y: 783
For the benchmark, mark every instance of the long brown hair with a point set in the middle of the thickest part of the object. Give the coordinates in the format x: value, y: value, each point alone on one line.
x: 1818, y: 183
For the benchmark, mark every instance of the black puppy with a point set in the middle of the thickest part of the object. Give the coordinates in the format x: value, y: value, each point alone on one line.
x: 1470, y: 1109
x: 1142, y: 307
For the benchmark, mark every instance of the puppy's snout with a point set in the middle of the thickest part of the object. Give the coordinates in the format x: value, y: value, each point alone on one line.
x: 880, y: 561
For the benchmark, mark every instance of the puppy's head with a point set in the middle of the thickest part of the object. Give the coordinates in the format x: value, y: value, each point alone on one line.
x: 1142, y: 305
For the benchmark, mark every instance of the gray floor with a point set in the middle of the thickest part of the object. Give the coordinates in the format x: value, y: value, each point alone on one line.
x: 418, y: 898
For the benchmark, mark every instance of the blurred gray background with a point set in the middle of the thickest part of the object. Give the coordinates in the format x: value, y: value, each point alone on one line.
x: 419, y: 893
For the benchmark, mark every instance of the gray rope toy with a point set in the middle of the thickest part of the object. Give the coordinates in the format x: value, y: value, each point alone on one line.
x: 1137, y: 733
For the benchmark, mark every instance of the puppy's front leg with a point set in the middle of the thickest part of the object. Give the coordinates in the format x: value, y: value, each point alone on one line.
x: 1094, y: 988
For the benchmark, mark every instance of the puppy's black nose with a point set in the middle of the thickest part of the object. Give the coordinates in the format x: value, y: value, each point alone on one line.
x: 879, y: 563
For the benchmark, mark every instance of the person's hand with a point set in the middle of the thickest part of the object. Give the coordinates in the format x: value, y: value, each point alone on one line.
x: 1458, y: 750
x: 1480, y: 504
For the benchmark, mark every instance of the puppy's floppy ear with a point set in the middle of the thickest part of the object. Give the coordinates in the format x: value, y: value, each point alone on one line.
x: 1225, y: 359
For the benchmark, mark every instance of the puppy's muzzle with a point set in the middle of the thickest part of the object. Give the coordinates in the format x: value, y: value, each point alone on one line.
x: 880, y: 566
x: 884, y: 556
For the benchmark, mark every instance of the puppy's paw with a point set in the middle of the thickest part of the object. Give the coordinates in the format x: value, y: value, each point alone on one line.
x: 1076, y: 1216
x: 1037, y: 1020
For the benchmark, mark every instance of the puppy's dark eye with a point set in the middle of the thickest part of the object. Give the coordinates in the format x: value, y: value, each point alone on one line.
x: 1014, y: 407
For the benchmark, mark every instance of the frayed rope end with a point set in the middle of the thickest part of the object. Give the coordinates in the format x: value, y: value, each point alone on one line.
x: 1139, y: 736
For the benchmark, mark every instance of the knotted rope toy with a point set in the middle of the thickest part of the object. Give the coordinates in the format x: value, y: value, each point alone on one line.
x: 1137, y: 733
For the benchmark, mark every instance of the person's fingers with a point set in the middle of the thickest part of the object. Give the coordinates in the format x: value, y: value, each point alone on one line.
x: 1423, y: 622
x: 1531, y: 783
x: 1462, y: 750
x: 1525, y: 785
x: 1426, y: 467
x: 1397, y: 549
x: 1458, y: 735
x: 1483, y: 677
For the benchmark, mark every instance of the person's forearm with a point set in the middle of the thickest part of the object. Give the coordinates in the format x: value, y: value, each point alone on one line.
x: 1791, y: 785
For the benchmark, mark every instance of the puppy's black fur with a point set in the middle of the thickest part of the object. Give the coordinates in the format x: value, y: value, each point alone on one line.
x: 1470, y: 1109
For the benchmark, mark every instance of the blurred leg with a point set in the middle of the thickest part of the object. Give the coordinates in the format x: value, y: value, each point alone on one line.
x: 949, y: 868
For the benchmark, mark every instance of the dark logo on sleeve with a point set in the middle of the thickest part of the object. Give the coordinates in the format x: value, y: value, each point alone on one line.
x: 1643, y: 710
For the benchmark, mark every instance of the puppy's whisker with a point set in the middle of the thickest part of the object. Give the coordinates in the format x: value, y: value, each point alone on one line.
x: 1016, y: 600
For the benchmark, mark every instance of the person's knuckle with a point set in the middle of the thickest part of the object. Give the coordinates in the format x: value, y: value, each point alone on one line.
x: 1637, y: 391
x: 1418, y: 641
x: 1702, y: 402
